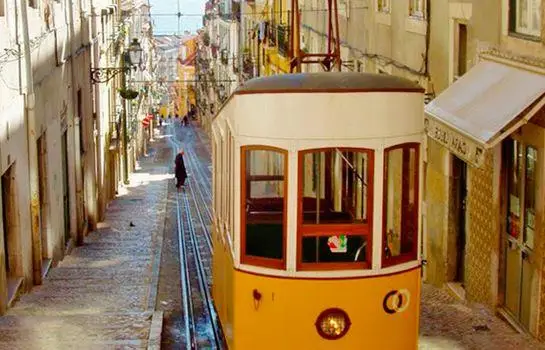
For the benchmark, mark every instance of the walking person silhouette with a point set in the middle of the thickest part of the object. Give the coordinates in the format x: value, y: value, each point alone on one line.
x: 179, y: 170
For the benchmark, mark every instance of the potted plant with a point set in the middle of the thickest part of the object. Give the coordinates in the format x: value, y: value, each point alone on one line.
x: 128, y: 94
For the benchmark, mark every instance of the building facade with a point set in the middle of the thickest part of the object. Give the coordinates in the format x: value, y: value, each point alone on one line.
x: 485, y: 198
x: 56, y: 132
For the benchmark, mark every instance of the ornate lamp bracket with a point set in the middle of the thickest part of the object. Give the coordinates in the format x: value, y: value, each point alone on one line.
x: 103, y: 75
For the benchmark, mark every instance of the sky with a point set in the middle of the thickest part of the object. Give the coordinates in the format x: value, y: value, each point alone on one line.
x: 166, y: 21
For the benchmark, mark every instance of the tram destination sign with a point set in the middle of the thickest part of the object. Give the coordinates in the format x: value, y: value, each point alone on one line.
x: 461, y: 146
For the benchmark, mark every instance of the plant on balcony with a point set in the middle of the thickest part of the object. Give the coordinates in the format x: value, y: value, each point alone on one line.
x: 206, y: 39
x: 224, y: 58
x: 128, y: 94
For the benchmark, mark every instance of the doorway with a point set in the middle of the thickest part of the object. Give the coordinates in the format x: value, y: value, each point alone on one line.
x: 521, y: 191
x: 43, y: 193
x: 66, y: 187
x: 456, y: 249
x: 10, y: 219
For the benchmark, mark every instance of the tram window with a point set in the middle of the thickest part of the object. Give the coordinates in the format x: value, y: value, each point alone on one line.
x: 400, y: 235
x: 335, y: 208
x: 335, y: 188
x: 263, y: 193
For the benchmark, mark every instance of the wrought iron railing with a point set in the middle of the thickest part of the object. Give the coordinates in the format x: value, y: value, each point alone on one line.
x: 283, y: 39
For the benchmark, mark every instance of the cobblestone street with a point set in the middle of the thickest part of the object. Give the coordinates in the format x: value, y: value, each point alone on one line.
x: 447, y: 323
x: 102, y: 295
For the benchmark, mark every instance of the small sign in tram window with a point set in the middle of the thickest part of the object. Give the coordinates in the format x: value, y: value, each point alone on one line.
x: 337, y: 244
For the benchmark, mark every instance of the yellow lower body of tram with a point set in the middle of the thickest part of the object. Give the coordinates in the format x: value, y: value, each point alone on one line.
x: 286, y: 313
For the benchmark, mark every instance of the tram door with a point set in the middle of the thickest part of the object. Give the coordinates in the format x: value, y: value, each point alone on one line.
x: 520, y: 275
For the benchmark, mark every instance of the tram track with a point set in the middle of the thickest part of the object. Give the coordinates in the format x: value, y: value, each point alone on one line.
x: 201, y: 324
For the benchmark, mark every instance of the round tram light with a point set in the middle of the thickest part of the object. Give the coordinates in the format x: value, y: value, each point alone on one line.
x: 332, y: 324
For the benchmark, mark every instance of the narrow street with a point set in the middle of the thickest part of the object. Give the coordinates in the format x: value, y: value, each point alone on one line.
x: 103, y: 295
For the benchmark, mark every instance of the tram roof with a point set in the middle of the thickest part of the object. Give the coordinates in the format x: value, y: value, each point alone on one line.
x: 328, y: 82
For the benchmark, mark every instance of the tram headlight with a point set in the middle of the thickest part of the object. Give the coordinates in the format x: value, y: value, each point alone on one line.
x: 332, y: 323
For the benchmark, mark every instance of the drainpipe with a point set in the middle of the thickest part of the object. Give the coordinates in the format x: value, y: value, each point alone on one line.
x: 30, y: 112
x: 124, y: 124
x: 75, y: 130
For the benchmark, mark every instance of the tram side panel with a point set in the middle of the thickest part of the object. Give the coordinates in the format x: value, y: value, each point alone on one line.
x: 223, y: 286
x: 222, y: 262
x: 280, y: 313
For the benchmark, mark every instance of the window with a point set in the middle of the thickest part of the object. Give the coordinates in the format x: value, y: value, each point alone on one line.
x: 231, y: 186
x: 216, y: 180
x: 400, y: 203
x: 383, y: 6
x: 522, y: 179
x: 264, y: 203
x: 525, y: 17
x: 360, y: 66
x: 461, y: 64
x: 530, y: 189
x: 335, y: 208
x: 344, y: 8
x: 417, y: 8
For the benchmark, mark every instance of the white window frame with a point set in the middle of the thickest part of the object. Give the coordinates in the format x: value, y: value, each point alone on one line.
x: 530, y: 8
x: 417, y: 9
x: 384, y: 6
x: 344, y: 8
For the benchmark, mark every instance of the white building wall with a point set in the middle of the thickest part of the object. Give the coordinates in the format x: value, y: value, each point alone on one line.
x: 64, y: 46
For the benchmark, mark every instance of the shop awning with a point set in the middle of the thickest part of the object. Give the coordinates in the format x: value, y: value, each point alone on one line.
x: 483, y: 107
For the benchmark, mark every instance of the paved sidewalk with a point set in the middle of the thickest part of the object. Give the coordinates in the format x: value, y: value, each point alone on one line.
x: 102, y: 295
x: 448, y: 323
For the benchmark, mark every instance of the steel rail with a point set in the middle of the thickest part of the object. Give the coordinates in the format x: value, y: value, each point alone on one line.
x: 201, y: 274
x: 185, y: 282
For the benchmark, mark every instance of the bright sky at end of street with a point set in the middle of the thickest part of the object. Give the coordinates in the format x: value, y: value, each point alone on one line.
x: 166, y: 20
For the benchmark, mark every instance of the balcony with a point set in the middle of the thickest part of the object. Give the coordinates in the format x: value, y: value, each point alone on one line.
x: 283, y: 39
x: 224, y: 57
x: 232, y: 13
x: 248, y: 68
x: 278, y: 35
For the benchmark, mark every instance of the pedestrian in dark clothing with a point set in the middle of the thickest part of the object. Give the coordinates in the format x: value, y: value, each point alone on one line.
x: 179, y: 170
x: 186, y: 120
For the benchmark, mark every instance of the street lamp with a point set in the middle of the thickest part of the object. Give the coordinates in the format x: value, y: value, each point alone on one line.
x: 133, y: 59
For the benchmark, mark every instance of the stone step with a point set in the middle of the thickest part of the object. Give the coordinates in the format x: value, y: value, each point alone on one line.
x: 114, y: 273
x: 85, y: 282
x: 105, y: 287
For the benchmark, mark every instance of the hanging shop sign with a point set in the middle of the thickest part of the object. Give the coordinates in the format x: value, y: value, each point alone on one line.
x: 461, y: 146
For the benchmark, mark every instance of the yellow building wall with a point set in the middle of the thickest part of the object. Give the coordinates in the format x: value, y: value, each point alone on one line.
x: 186, y: 73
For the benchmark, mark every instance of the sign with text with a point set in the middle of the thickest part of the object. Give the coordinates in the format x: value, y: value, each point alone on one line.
x: 461, y: 146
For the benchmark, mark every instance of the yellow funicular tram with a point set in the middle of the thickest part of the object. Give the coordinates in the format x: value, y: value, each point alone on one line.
x: 317, y: 182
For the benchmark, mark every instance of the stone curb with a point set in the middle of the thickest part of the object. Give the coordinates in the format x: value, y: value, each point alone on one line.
x: 158, y: 252
x: 156, y: 328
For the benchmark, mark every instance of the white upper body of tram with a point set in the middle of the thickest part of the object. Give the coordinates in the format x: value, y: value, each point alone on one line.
x: 339, y: 155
